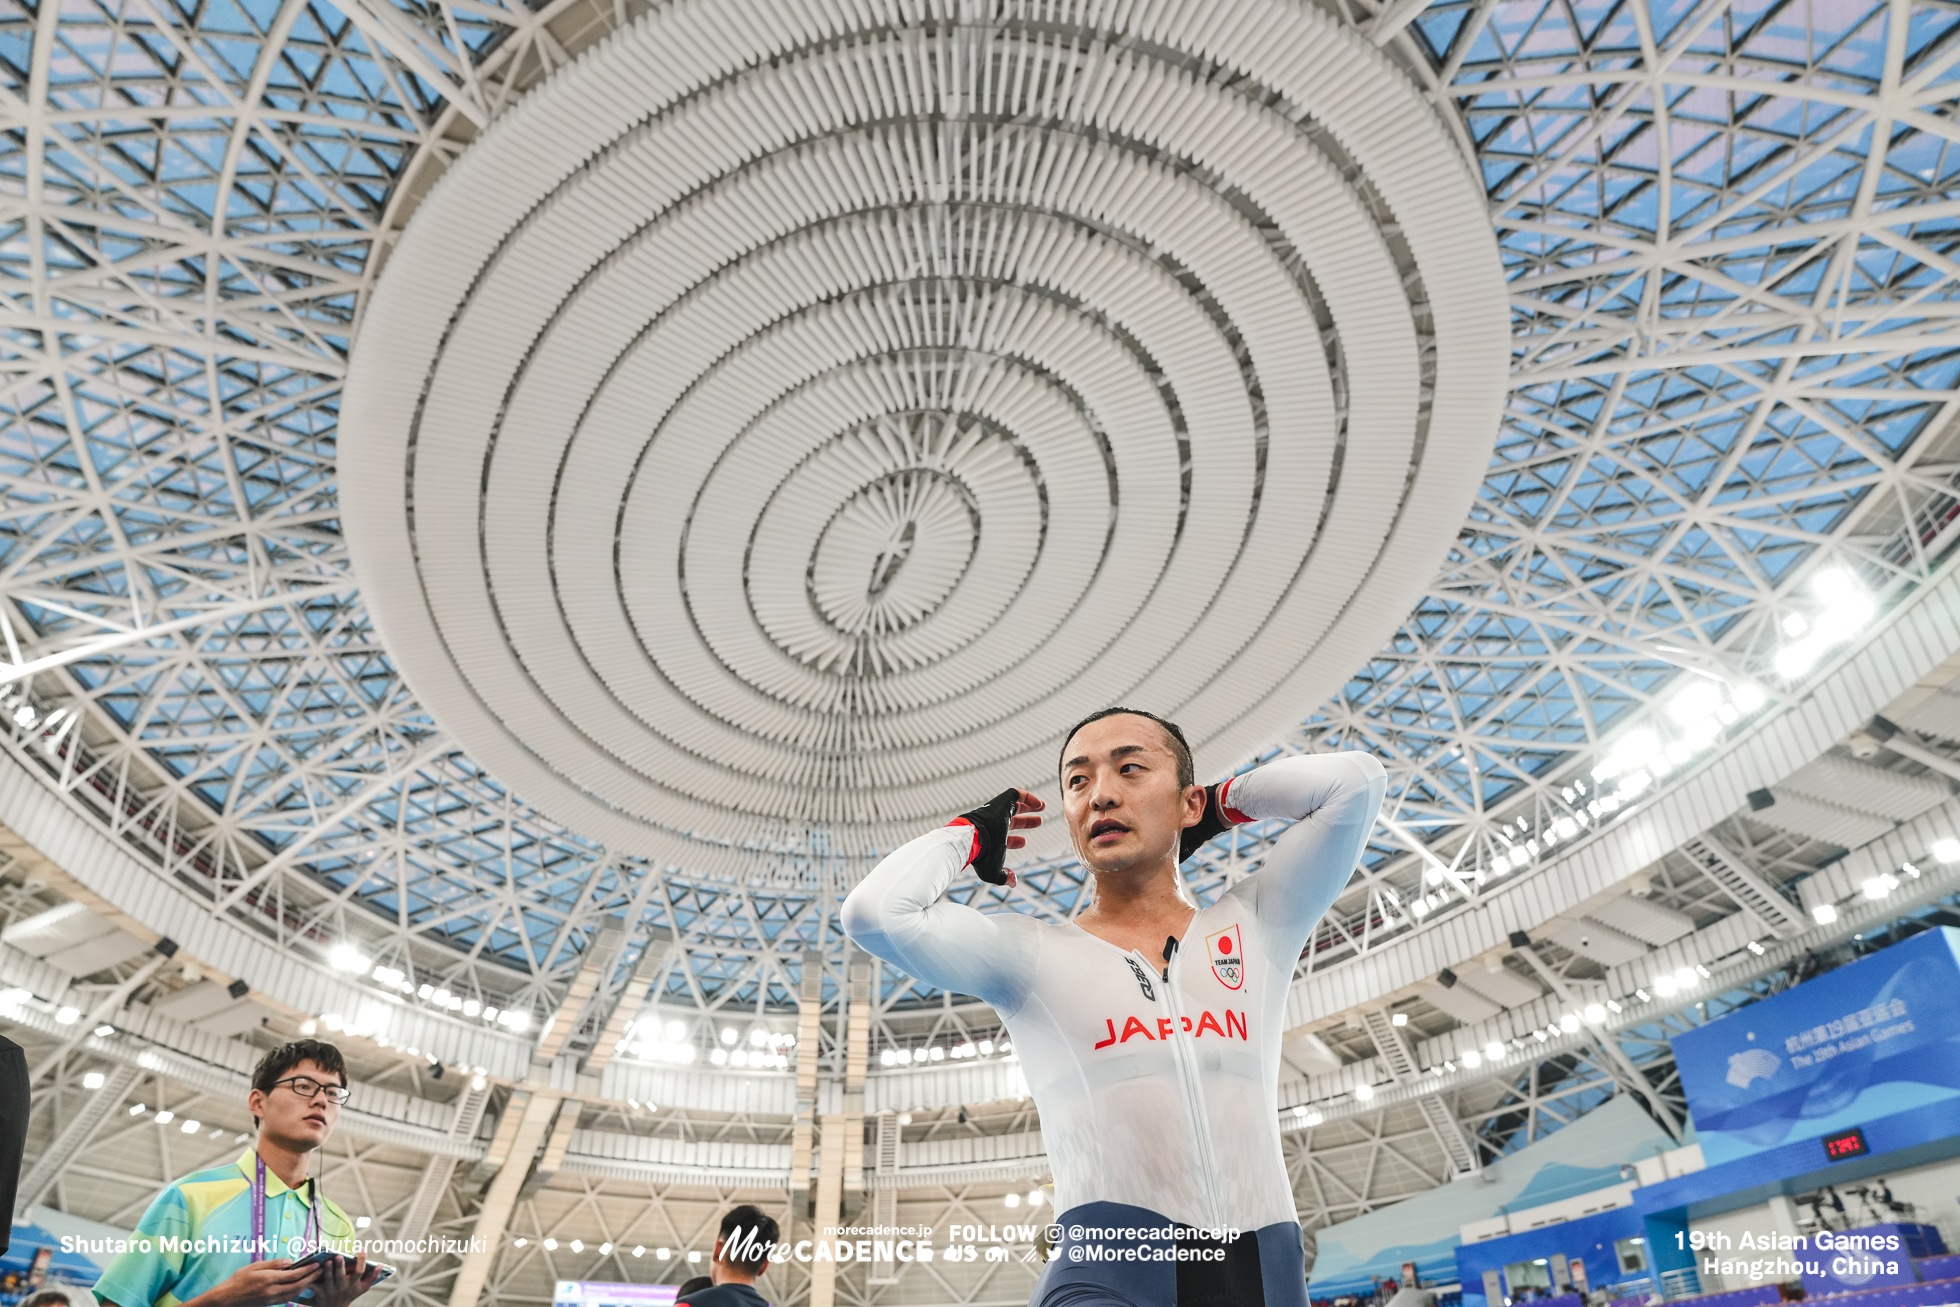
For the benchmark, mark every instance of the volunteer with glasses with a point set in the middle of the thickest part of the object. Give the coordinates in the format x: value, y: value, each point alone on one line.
x: 235, y: 1231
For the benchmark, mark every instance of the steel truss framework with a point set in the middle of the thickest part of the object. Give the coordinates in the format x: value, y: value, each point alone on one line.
x: 1729, y: 230
x: 1340, y: 1170
x: 1350, y: 1165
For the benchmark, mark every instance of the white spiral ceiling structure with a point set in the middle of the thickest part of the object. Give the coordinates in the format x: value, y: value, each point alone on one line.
x: 775, y: 430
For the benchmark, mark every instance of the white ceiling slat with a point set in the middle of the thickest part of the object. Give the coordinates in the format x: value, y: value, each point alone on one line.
x: 1938, y: 714
x: 58, y: 928
x: 1500, y: 985
x: 90, y: 956
x: 1598, y: 941
x: 1461, y: 1002
x: 1802, y: 815
x: 1651, y: 923
x: 1849, y: 783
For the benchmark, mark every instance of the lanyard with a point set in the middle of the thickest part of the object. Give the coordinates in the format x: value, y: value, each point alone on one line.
x: 258, y: 1210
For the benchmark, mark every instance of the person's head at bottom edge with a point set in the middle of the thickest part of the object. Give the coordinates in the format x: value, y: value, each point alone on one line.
x: 742, y: 1247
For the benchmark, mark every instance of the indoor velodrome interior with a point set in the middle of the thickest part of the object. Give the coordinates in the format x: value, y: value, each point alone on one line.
x: 511, y: 509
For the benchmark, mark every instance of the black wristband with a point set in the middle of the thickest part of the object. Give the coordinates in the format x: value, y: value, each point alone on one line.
x: 990, y: 825
x: 1213, y: 823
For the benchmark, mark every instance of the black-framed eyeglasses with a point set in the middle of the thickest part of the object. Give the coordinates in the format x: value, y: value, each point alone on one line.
x: 307, y: 1087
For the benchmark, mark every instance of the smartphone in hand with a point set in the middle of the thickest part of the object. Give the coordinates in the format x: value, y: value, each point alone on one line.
x: 322, y: 1256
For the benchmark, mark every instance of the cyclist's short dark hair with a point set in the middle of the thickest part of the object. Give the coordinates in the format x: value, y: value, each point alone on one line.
x: 1180, y: 747
x: 747, y: 1235
x: 275, y: 1066
x: 48, y: 1298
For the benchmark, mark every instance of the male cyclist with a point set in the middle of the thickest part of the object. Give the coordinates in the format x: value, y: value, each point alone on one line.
x: 1148, y: 1028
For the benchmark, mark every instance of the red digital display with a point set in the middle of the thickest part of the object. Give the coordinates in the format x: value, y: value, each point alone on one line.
x: 1845, y: 1143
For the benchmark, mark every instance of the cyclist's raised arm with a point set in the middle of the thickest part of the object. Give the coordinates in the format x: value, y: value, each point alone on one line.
x: 1332, y: 799
x: 900, y: 913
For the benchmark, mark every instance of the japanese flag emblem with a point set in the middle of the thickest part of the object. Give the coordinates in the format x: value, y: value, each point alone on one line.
x: 1227, y: 953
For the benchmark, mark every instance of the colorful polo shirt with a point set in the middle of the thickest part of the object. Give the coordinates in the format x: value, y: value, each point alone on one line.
x: 199, y: 1231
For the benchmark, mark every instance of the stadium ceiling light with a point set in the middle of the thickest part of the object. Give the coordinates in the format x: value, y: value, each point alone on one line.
x: 345, y: 957
x: 1946, y: 851
x: 1824, y: 913
x: 1698, y: 702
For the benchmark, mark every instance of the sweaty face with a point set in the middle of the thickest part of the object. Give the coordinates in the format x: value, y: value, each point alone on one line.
x: 1120, y: 793
x: 297, y: 1122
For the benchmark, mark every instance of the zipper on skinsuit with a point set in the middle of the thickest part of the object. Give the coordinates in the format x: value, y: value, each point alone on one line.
x: 1184, y: 1050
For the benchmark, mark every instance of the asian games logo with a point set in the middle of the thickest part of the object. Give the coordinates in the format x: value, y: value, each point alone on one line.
x: 1750, y: 1065
x: 1227, y: 953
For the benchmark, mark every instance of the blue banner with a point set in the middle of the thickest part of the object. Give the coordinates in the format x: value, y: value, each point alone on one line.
x: 1879, y: 1036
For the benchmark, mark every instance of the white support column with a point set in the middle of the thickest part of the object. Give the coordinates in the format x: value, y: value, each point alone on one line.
x: 632, y: 999
x: 884, y: 1198
x: 830, y: 1193
x: 555, y: 1148
x: 809, y: 1029
x: 434, y: 1183
x: 857, y: 1045
x: 501, y: 1199
x: 599, y: 957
